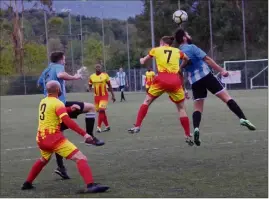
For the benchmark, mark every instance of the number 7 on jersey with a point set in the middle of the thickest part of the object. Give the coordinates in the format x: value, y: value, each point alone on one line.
x: 169, y: 55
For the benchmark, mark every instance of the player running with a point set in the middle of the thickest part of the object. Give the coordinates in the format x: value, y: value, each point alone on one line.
x: 149, y: 78
x: 51, y: 140
x: 100, y: 81
x: 201, y: 79
x: 55, y: 71
x: 168, y: 80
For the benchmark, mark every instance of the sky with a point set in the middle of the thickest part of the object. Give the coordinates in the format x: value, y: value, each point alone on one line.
x: 111, y: 9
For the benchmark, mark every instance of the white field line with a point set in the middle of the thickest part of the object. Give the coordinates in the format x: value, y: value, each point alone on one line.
x: 131, y: 138
x: 138, y: 150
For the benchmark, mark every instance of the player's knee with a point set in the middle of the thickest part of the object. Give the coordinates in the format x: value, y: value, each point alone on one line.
x: 88, y: 107
x: 224, y: 96
x: 45, y: 161
x: 78, y: 156
x: 148, y: 100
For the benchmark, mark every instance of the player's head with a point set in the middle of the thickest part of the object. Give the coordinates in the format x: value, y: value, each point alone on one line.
x: 121, y: 69
x: 98, y: 68
x: 167, y: 40
x: 183, y: 37
x: 57, y: 57
x: 53, y: 88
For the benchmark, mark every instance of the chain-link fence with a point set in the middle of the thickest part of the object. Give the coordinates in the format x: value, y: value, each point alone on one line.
x: 112, y: 34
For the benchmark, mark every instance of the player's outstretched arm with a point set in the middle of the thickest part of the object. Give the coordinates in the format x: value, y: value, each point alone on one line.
x: 145, y: 59
x: 66, y: 76
x: 215, y: 66
x: 185, y: 60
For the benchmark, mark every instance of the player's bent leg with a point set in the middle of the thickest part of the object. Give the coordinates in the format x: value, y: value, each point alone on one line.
x: 86, y: 173
x: 233, y: 106
x: 142, y: 113
x: 35, y: 170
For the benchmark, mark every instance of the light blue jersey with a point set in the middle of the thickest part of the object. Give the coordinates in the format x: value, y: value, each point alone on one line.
x: 197, y: 69
x: 50, y: 73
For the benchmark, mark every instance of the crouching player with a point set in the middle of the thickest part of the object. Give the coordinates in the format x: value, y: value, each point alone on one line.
x: 149, y: 78
x: 51, y: 140
x: 168, y: 80
x: 100, y: 81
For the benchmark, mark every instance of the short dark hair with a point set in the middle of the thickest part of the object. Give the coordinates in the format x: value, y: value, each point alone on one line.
x: 179, y: 34
x: 56, y: 56
x: 168, y: 40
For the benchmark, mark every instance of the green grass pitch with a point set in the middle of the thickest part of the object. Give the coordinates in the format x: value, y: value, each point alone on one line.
x: 231, y: 162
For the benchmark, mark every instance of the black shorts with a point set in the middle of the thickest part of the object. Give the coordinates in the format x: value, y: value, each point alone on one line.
x: 209, y: 82
x: 122, y: 88
x: 73, y: 114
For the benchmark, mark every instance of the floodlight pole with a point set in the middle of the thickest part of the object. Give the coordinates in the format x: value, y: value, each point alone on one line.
x: 152, y: 33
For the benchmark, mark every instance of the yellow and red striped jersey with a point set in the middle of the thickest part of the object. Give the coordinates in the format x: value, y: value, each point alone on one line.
x: 99, y: 83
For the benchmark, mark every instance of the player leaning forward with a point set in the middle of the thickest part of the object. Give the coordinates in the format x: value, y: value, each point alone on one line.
x: 51, y: 140
x: 168, y: 81
x: 201, y: 79
x: 56, y: 71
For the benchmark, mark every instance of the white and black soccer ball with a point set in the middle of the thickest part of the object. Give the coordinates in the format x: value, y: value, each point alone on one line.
x: 180, y: 16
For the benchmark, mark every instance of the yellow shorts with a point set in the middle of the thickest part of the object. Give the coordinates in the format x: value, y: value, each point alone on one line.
x: 101, y: 102
x: 65, y: 149
x: 176, y: 95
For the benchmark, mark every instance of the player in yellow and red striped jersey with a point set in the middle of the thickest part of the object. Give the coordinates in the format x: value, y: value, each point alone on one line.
x: 168, y: 81
x: 99, y: 81
x: 50, y: 139
x: 149, y: 78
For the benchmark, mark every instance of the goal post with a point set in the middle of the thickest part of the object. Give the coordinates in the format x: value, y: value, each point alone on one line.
x: 252, y: 72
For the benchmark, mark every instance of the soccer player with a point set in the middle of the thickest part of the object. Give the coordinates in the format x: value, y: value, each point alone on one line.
x: 202, y: 80
x: 122, y: 82
x: 100, y: 81
x: 55, y: 71
x: 51, y: 140
x: 168, y: 80
x: 149, y: 78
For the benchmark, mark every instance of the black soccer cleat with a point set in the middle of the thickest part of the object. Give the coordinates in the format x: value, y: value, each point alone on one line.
x: 189, y: 141
x: 106, y: 129
x: 96, y: 142
x: 94, y: 188
x: 62, y: 172
x: 27, y: 185
x: 196, y: 136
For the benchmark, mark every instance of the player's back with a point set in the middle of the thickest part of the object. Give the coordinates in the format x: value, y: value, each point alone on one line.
x: 167, y: 59
x: 48, y: 119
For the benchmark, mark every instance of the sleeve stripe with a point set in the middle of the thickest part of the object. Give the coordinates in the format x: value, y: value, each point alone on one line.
x: 63, y: 114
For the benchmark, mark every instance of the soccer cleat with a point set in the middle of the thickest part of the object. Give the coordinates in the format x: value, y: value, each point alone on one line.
x: 95, y: 142
x: 106, y: 129
x: 94, y: 188
x: 134, y: 130
x: 189, y: 141
x: 62, y: 172
x: 27, y: 185
x: 98, y: 130
x: 247, y: 124
x: 196, y: 136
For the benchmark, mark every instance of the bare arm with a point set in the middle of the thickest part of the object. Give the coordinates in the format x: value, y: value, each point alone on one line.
x: 110, y: 89
x: 145, y: 59
x: 66, y: 76
x: 213, y: 64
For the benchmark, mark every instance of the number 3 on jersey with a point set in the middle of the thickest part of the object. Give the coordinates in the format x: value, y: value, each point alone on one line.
x: 42, y: 111
x: 169, y: 55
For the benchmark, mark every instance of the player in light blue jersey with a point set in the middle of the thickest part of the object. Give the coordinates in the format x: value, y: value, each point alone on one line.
x: 56, y: 71
x: 202, y: 80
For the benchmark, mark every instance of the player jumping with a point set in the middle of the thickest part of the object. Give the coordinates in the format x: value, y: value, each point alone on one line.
x: 56, y: 71
x: 51, y: 140
x: 201, y: 79
x: 149, y: 78
x: 100, y: 81
x: 168, y: 80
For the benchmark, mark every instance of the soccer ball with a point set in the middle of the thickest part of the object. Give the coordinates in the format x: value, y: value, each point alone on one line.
x: 180, y: 16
